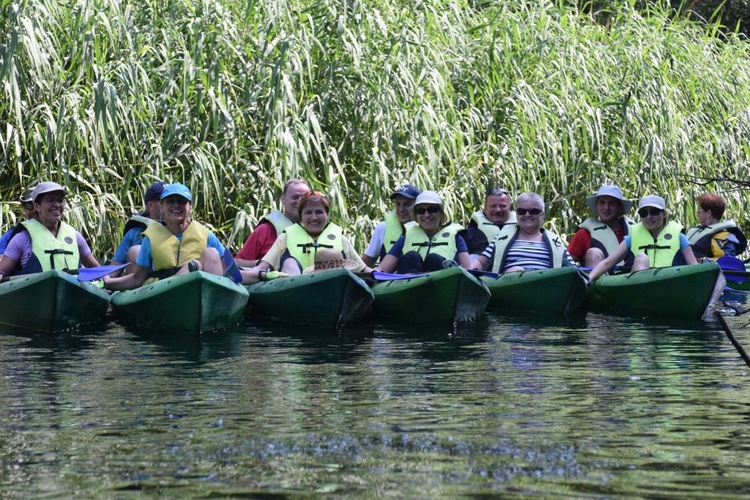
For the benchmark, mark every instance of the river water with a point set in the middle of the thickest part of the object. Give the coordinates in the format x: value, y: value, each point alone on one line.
x: 587, y: 407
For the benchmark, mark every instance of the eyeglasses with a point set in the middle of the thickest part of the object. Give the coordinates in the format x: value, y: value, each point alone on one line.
x: 646, y: 211
x: 51, y: 200
x: 530, y: 211
x: 430, y: 210
x: 313, y: 193
x: 497, y: 192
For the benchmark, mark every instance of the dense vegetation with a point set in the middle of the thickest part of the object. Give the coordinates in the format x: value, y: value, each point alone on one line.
x: 233, y: 98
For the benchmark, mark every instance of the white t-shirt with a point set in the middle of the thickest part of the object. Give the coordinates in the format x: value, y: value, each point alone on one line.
x: 376, y: 241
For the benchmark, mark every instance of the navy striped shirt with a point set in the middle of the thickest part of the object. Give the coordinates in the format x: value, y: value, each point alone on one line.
x: 529, y: 255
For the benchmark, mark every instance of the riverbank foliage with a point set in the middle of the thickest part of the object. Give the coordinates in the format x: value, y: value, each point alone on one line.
x: 233, y: 98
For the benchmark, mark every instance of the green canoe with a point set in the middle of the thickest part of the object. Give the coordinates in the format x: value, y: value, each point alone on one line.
x: 329, y: 299
x: 194, y: 302
x: 551, y: 291
x: 447, y: 296
x: 678, y: 292
x: 739, y: 280
x: 51, y: 301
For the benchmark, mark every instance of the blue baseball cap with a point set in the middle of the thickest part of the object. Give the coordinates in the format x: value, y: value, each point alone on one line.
x: 154, y: 191
x: 176, y: 189
x: 407, y: 191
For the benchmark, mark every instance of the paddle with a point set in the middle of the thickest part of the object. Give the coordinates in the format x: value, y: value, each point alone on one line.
x: 232, y: 271
x: 731, y: 338
x: 95, y: 273
x: 733, y: 268
x: 479, y: 273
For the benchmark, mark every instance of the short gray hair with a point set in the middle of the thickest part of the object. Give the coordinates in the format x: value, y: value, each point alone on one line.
x: 530, y: 197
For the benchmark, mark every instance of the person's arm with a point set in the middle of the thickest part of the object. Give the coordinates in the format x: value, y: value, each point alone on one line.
x: 371, y: 254
x: 87, y: 257
x: 616, y: 256
x: 129, y: 281
x: 579, y: 245
x: 258, y: 244
x: 351, y: 254
x: 89, y: 261
x: 388, y: 264
x: 687, y: 250
x: 256, y: 274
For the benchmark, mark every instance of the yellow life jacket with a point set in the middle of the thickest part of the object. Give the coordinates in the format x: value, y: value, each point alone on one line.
x: 170, y: 252
x: 278, y: 220
x: 490, y: 229
x: 662, y: 250
x: 443, y: 243
x: 393, y: 231
x: 52, y: 252
x: 303, y: 247
x: 603, y: 237
x: 555, y: 245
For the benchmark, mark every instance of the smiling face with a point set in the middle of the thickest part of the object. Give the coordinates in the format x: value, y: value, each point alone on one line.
x: 290, y: 199
x: 497, y: 208
x: 50, y: 207
x: 403, y: 204
x: 175, y: 210
x: 530, y: 216
x: 608, y: 208
x: 314, y: 218
x: 429, y: 217
x: 654, y: 219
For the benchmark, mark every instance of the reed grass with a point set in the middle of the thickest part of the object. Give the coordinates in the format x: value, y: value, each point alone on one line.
x: 233, y: 98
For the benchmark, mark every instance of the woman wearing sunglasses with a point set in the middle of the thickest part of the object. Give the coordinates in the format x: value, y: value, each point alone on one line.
x: 527, y: 245
x: 295, y: 249
x: 654, y: 241
x: 430, y: 243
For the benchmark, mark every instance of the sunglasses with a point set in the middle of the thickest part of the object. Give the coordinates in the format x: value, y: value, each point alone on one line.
x: 530, y: 211
x: 497, y: 192
x: 313, y: 193
x: 646, y: 211
x: 430, y: 210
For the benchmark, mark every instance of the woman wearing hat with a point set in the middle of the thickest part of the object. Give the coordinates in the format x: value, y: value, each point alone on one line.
x: 296, y: 249
x: 46, y: 241
x: 176, y: 246
x: 600, y: 236
x: 428, y: 244
x: 654, y: 241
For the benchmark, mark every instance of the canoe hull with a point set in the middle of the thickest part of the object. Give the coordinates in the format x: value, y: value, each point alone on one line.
x: 742, y: 284
x: 684, y: 292
x: 50, y: 302
x: 195, y: 302
x: 548, y: 291
x: 329, y: 299
x: 447, y: 296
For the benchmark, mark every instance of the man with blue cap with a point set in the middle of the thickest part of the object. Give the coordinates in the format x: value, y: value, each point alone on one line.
x: 387, y: 232
x: 175, y: 246
x: 130, y: 245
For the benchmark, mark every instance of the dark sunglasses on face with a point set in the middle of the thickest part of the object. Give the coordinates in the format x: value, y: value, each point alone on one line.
x: 530, y: 211
x: 646, y: 211
x: 430, y: 210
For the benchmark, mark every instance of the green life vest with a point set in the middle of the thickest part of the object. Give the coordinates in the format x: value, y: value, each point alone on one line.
x: 53, y: 252
x: 393, y: 231
x: 278, y: 220
x: 662, y: 250
x: 603, y: 237
x: 443, y: 243
x: 170, y: 252
x: 490, y: 229
x: 303, y: 247
x: 555, y: 246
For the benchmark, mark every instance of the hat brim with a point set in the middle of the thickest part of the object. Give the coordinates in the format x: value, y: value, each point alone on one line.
x: 348, y: 264
x: 627, y: 205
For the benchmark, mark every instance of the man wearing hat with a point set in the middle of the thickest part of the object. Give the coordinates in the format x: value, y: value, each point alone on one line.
x: 45, y: 241
x: 485, y: 225
x: 599, y: 236
x: 28, y: 209
x: 392, y: 228
x: 130, y: 245
x: 273, y: 224
x: 176, y: 245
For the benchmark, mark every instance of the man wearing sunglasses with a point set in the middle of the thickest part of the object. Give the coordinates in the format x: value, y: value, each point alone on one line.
x: 599, y: 236
x: 273, y: 224
x: 392, y: 228
x: 27, y: 203
x: 654, y: 241
x: 485, y: 225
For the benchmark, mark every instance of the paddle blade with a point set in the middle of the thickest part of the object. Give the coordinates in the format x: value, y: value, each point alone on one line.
x: 95, y: 273
x: 381, y: 276
x: 231, y: 270
x: 729, y: 264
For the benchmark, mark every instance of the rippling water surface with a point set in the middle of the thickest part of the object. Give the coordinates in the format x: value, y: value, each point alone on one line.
x: 594, y: 406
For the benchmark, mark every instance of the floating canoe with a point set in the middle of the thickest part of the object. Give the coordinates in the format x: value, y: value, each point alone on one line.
x: 194, y: 302
x: 550, y: 291
x: 447, y: 296
x: 739, y: 280
x: 684, y: 292
x: 51, y: 301
x: 328, y: 299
